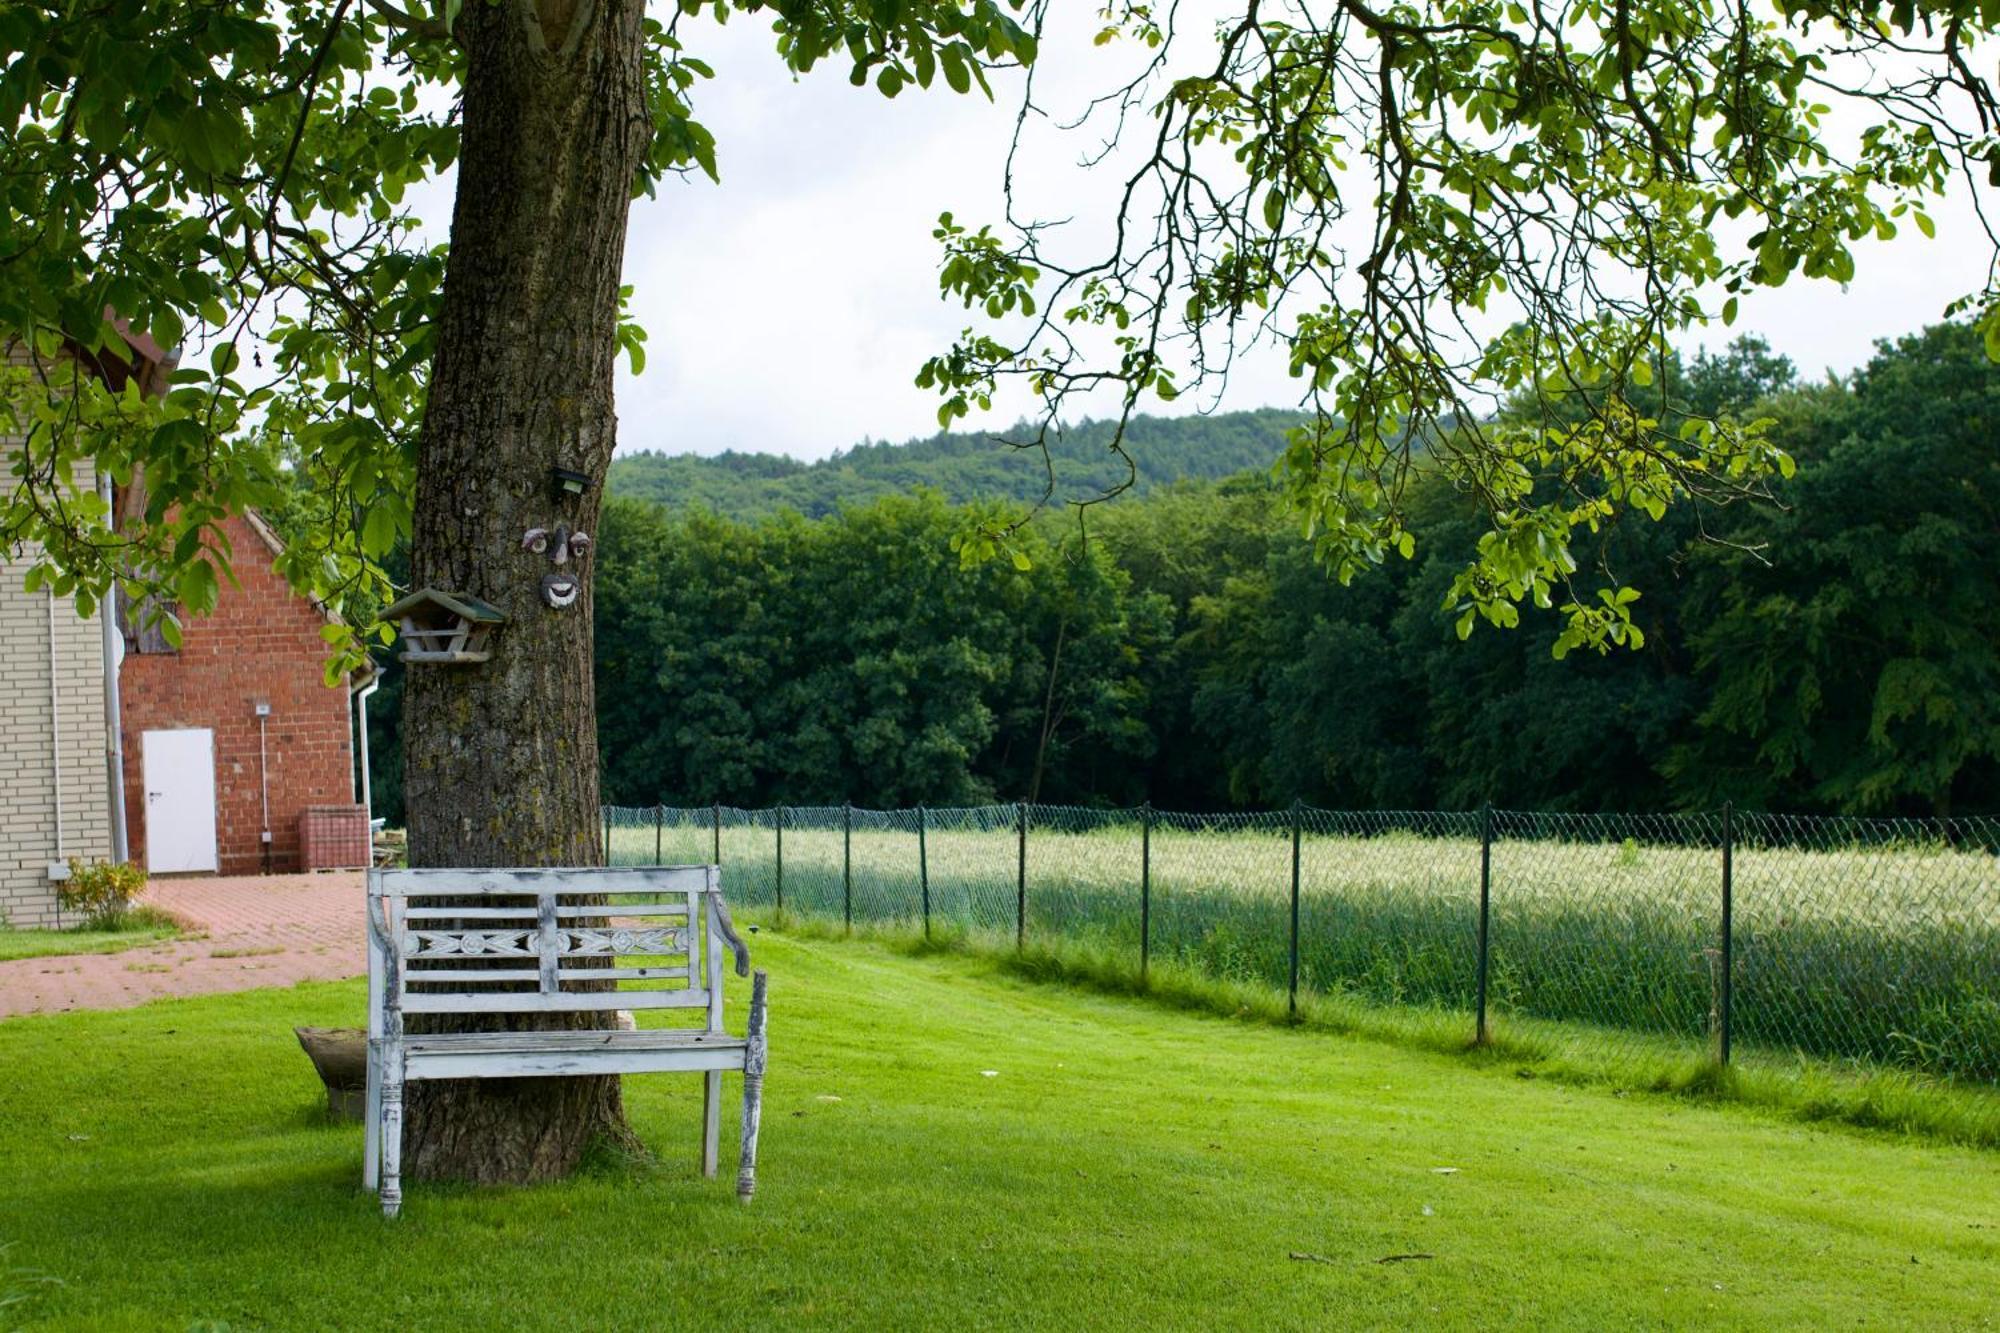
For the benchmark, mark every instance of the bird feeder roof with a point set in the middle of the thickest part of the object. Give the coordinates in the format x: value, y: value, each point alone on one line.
x: 463, y: 605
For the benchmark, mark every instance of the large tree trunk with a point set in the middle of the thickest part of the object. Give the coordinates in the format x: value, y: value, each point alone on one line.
x: 502, y: 756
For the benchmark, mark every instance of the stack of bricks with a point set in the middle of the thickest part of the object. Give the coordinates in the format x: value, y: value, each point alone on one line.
x: 334, y: 837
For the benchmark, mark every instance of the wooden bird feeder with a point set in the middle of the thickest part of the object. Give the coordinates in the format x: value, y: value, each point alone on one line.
x: 444, y: 626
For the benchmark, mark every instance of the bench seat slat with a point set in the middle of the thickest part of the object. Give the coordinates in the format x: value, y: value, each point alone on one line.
x: 646, y: 1039
x: 568, y: 1054
x: 566, y: 1002
x: 437, y: 974
x: 572, y: 1064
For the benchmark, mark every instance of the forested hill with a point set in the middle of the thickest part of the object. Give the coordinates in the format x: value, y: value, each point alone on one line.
x: 961, y: 466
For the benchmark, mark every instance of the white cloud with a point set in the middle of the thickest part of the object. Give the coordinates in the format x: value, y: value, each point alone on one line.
x: 789, y: 307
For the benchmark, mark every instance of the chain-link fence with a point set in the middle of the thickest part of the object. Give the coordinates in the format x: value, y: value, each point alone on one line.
x: 1766, y: 940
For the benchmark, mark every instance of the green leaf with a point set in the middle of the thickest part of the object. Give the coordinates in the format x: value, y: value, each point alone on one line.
x: 955, y: 72
x: 378, y: 531
x: 197, y: 586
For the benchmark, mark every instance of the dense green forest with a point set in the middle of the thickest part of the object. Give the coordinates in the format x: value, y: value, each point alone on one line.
x: 962, y: 467
x: 1836, y: 648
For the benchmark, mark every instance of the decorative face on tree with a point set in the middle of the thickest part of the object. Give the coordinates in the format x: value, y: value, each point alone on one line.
x: 562, y: 546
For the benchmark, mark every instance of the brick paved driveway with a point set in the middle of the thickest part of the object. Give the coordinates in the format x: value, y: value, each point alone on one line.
x: 261, y: 930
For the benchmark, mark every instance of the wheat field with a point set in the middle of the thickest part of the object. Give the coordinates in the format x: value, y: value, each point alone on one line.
x: 1876, y: 947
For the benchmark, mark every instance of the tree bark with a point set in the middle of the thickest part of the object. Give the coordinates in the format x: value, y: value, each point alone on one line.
x: 502, y: 755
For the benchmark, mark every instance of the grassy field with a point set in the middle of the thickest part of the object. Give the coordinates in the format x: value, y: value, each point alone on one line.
x: 949, y: 1146
x: 1870, y: 956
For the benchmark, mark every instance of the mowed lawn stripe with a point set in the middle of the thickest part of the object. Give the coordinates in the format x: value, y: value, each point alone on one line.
x: 1122, y: 1165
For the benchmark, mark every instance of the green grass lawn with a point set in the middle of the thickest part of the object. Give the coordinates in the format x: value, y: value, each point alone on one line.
x: 56, y: 943
x: 1123, y: 1165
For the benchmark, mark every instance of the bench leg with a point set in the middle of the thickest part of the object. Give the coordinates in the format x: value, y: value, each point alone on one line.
x: 392, y: 1132
x: 371, y: 1148
x: 753, y: 1090
x: 711, y: 1122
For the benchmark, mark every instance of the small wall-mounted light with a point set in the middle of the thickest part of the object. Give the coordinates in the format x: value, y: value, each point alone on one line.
x: 568, y: 481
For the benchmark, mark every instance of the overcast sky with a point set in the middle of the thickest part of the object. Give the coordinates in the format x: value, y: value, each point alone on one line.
x: 789, y: 307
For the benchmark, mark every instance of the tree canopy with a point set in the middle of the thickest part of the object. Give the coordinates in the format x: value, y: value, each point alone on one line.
x: 1431, y: 207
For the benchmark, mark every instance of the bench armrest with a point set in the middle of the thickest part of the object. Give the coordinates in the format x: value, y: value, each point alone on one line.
x: 377, y: 915
x: 727, y: 929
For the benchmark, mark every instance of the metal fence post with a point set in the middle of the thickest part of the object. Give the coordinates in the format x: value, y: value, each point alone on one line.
x: 1145, y: 888
x: 781, y: 860
x: 1728, y: 931
x: 659, y: 833
x: 924, y: 866
x: 718, y: 833
x: 1021, y: 876
x: 607, y: 835
x: 1293, y: 990
x: 1485, y: 911
x: 847, y: 865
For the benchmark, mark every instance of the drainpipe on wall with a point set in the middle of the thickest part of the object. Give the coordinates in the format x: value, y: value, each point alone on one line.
x: 58, y: 868
x: 264, y: 782
x: 367, y: 799
x: 114, y: 720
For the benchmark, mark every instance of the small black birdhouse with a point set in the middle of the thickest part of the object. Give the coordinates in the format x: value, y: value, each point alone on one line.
x: 444, y: 626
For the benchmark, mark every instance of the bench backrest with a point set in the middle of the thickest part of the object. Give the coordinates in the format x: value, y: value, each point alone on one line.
x: 547, y: 941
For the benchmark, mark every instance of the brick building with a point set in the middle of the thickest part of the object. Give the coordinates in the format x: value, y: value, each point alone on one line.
x: 234, y: 736
x: 259, y: 650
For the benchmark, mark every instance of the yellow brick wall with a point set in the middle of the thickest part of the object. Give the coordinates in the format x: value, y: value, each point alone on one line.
x: 28, y: 791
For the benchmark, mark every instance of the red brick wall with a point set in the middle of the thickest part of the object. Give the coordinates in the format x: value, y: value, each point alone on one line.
x: 261, y: 645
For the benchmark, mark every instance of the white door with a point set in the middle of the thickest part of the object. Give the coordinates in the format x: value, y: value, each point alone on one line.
x: 180, y: 799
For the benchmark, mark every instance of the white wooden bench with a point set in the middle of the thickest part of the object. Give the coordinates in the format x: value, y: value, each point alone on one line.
x: 498, y: 942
